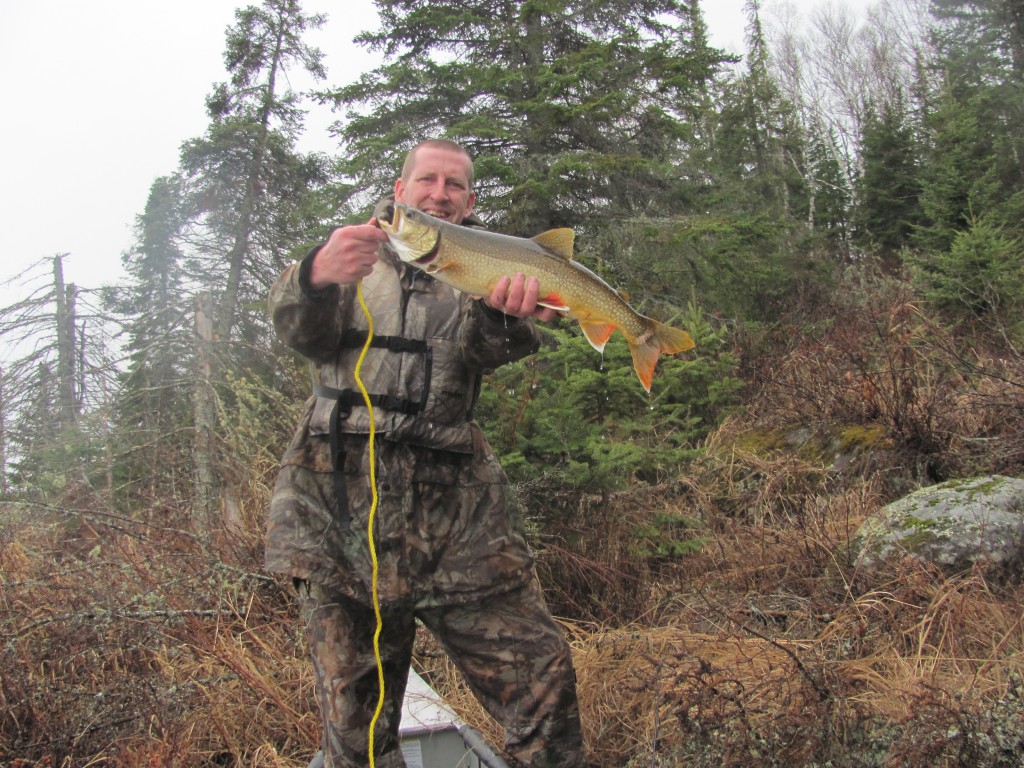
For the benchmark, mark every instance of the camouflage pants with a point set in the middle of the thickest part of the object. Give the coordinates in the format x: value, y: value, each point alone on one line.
x: 512, y: 654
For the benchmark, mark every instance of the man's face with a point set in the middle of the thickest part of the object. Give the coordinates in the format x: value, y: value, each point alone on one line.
x: 438, y: 184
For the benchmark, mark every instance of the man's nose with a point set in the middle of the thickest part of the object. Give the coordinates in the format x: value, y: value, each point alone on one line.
x: 439, y: 191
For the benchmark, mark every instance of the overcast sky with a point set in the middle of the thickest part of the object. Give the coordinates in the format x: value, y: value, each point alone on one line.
x: 98, y: 97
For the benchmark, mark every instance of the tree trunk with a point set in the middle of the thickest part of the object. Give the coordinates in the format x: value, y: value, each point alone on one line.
x: 239, y: 252
x: 64, y: 299
x: 3, y: 435
x: 206, y: 491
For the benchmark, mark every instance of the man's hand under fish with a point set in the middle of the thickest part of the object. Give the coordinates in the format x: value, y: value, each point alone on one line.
x: 517, y: 296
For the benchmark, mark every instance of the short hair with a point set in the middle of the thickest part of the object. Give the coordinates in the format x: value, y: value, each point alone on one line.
x: 448, y: 144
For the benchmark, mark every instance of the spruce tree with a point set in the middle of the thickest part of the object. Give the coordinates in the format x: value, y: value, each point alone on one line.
x: 888, y: 209
x: 241, y: 204
x: 829, y: 196
x: 156, y: 302
x: 747, y: 251
x: 975, y: 163
x: 574, y: 112
x: 244, y: 185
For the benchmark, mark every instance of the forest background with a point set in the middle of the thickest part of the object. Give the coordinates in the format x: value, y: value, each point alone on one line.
x: 836, y: 217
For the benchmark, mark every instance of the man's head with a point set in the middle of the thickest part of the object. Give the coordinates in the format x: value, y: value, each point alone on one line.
x: 437, y: 178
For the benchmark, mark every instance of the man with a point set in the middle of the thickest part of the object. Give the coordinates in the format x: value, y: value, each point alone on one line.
x: 449, y: 553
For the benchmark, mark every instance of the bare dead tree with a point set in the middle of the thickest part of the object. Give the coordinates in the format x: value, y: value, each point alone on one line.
x: 50, y: 366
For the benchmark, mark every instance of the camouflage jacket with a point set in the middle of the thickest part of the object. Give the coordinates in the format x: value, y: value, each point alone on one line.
x: 431, y: 346
x: 444, y: 528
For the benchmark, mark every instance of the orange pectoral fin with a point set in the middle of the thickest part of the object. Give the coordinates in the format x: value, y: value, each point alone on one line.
x: 597, y: 334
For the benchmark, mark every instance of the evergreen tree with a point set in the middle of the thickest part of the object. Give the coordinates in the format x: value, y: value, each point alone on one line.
x: 154, y: 406
x: 980, y: 277
x: 888, y: 208
x: 574, y: 112
x: 830, y: 198
x: 241, y: 204
x: 975, y: 162
x: 960, y: 174
x: 244, y: 186
x: 760, y: 141
x: 747, y: 250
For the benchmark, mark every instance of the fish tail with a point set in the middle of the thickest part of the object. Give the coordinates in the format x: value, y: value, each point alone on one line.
x: 656, y: 340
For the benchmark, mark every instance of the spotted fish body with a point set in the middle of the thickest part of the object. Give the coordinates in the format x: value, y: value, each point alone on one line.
x: 474, y: 260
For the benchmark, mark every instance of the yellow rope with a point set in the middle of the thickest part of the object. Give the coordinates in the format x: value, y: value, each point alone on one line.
x: 369, y: 528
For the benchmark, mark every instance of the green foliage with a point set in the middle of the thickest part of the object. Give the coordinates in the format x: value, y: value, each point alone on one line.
x: 572, y: 111
x: 980, y: 276
x: 261, y: 420
x: 959, y: 175
x: 51, y: 462
x: 833, y: 199
x: 759, y: 140
x: 889, y: 183
x: 668, y: 536
x: 581, y: 419
x: 975, y: 121
x: 746, y: 266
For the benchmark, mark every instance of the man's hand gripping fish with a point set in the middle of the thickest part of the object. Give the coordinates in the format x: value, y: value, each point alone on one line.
x: 473, y: 260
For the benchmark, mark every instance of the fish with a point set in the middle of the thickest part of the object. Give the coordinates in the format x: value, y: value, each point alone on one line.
x: 474, y: 260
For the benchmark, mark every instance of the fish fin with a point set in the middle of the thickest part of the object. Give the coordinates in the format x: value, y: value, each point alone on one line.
x: 557, y: 241
x: 671, y: 340
x: 553, y: 301
x: 433, y: 269
x: 645, y: 357
x: 552, y: 305
x: 660, y: 338
x: 597, y: 334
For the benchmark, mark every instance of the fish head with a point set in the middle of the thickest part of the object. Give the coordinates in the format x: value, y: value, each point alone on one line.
x: 413, y: 234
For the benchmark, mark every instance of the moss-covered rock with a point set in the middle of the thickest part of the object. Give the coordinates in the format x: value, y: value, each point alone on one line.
x: 955, y: 525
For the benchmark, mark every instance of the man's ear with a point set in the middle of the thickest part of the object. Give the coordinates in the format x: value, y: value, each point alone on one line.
x: 399, y: 189
x: 469, y: 204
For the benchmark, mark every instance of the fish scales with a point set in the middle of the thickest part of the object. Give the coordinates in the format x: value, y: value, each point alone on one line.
x: 477, y: 265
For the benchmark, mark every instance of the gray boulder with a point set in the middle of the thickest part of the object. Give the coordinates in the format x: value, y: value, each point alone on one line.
x: 955, y: 525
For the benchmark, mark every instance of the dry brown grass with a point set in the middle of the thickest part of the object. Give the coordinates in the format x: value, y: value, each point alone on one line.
x: 767, y: 647
x: 135, y: 645
x: 130, y: 649
x: 908, y: 666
